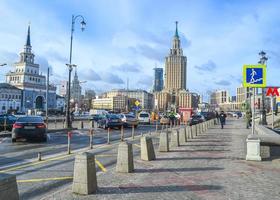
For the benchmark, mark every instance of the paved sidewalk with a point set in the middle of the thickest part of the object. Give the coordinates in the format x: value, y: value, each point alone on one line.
x: 211, y: 167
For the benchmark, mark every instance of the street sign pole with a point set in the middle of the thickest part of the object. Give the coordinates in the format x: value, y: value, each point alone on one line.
x: 272, y: 109
x: 253, y: 112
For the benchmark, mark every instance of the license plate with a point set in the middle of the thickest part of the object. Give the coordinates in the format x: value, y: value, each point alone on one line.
x: 29, y: 127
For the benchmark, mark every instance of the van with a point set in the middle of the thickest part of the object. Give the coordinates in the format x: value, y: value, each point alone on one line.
x: 144, y: 118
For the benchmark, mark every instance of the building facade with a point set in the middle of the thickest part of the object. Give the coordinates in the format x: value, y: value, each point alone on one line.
x: 10, y: 98
x: 158, y: 79
x: 76, y: 90
x: 145, y: 98
x: 176, y: 66
x: 29, y: 79
x: 115, y: 103
x: 219, y: 97
x: 175, y: 96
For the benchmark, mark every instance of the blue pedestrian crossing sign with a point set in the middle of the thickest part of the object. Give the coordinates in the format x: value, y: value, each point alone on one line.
x: 254, y: 76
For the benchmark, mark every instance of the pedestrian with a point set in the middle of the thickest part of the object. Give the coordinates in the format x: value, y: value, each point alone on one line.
x: 217, y: 117
x: 248, y: 119
x: 222, y: 117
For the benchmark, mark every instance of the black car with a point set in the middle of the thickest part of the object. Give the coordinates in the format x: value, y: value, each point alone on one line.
x: 10, y: 120
x: 29, y: 127
x: 110, y: 121
x: 196, y: 119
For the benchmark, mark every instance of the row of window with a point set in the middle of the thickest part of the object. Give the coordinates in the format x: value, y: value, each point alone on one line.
x: 11, y: 108
x: 17, y: 78
x: 10, y: 96
x: 31, y: 71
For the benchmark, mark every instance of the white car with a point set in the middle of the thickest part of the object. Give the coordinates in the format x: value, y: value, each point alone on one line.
x: 144, y: 118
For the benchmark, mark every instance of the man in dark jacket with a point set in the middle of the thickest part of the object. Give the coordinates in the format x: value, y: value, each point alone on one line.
x: 222, y: 119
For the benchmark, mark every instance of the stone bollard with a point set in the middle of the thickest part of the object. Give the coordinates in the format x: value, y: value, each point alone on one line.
x: 147, y: 149
x: 164, y: 141
x: 193, y: 127
x: 81, y: 125
x: 189, y: 132
x: 182, y: 135
x: 175, y: 138
x: 253, y: 148
x: 8, y: 187
x: 84, y: 180
x: 125, y: 158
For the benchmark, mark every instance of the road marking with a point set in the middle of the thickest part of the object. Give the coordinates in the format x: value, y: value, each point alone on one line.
x: 105, y: 155
x: 45, y: 179
x: 137, y: 145
x: 100, y: 166
x: 34, y: 163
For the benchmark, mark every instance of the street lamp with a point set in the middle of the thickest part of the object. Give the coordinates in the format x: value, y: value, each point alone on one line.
x: 263, y: 60
x: 70, y: 65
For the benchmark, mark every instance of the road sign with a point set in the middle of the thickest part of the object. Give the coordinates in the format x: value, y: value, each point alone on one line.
x: 254, y: 76
x: 137, y: 103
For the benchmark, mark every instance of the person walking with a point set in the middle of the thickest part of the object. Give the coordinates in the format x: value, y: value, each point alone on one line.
x: 222, y: 117
x: 217, y: 117
x: 248, y: 119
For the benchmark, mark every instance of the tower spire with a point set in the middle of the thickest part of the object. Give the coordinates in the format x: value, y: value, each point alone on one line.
x: 28, y: 43
x: 176, y: 31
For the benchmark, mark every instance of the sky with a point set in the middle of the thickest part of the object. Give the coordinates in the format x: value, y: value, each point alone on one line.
x: 125, y: 39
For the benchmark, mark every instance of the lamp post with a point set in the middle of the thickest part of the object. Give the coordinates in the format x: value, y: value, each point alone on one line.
x: 263, y: 60
x: 70, y: 65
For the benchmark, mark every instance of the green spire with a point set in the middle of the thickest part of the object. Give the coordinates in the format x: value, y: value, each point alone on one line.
x: 176, y: 31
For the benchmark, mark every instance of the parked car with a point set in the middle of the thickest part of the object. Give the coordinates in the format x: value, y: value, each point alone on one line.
x: 10, y: 120
x: 144, y: 118
x: 110, y: 121
x: 129, y: 120
x: 29, y: 127
x: 196, y: 119
x: 96, y: 117
x: 164, y: 120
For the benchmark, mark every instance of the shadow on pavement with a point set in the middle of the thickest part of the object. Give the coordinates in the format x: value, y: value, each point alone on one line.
x: 147, y: 189
x: 192, y: 158
x: 177, y: 169
x: 198, y: 150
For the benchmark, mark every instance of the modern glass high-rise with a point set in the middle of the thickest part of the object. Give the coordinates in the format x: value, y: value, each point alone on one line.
x: 158, y: 80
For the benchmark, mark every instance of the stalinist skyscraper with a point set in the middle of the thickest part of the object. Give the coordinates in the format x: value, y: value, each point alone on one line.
x: 175, y: 95
x: 175, y: 66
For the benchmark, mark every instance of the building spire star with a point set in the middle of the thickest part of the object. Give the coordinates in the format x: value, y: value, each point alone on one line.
x: 28, y: 42
x: 176, y: 31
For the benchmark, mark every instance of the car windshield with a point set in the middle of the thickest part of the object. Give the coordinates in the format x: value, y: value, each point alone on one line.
x: 30, y: 119
x: 144, y: 115
x: 196, y: 116
x: 113, y: 116
x: 129, y: 116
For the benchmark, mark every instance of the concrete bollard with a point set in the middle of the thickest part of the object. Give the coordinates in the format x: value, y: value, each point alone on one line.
x: 193, y: 127
x: 147, y: 149
x: 182, y: 135
x: 39, y: 156
x: 164, y: 141
x: 253, y: 149
x: 188, y: 130
x: 125, y: 158
x: 84, y: 180
x: 175, y: 138
x: 81, y: 125
x: 8, y: 187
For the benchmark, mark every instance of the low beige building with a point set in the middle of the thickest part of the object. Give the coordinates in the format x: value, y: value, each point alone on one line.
x: 116, y: 103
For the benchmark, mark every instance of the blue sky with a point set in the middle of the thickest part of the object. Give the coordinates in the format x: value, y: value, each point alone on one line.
x: 124, y: 39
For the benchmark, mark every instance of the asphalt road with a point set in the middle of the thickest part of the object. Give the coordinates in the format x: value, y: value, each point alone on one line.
x: 37, y: 178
